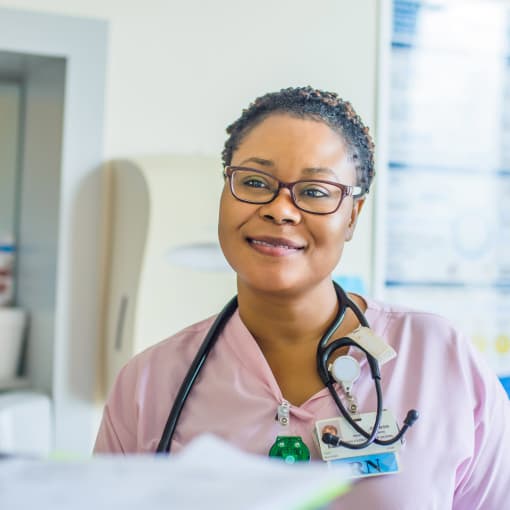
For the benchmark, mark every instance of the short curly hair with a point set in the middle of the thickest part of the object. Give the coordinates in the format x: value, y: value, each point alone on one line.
x: 307, y: 102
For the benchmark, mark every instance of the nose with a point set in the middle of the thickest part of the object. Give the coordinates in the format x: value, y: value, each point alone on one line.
x: 281, y: 210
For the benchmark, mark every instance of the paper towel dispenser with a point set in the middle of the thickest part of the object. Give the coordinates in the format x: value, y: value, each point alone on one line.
x: 164, y: 269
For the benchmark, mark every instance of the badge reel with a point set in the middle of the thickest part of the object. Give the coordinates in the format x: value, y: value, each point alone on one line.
x: 370, y: 461
x: 345, y: 370
x: 291, y: 449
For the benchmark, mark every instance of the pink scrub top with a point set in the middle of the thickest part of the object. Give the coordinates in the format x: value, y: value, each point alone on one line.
x: 456, y: 456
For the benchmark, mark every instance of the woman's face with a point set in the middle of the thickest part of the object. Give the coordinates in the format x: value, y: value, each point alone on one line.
x: 276, y: 247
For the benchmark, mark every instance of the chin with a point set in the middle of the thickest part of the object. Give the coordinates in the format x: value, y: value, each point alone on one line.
x: 277, y: 285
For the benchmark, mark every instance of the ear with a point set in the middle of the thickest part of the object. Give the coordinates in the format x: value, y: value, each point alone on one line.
x: 356, y: 209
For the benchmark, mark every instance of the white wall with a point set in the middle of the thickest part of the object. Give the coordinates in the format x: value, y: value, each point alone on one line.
x: 60, y: 210
x: 180, y: 72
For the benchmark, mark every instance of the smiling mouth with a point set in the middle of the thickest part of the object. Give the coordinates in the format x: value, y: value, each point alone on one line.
x: 274, y: 244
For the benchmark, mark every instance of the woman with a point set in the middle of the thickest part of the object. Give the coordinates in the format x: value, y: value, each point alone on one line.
x: 284, y: 238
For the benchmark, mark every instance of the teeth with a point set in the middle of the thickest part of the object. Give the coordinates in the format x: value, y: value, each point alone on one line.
x: 264, y: 243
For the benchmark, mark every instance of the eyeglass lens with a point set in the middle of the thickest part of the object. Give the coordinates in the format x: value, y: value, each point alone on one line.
x: 312, y: 196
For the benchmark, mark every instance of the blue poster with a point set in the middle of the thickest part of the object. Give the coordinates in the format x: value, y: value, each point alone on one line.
x: 449, y: 158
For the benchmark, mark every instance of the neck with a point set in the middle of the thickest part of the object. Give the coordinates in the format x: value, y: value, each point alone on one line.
x: 278, y: 321
x: 288, y: 328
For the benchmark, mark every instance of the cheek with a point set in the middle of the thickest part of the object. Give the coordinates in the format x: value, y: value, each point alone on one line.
x: 231, y: 217
x: 223, y: 216
x: 333, y: 231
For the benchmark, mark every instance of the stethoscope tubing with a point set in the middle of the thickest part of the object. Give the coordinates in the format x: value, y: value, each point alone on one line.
x: 370, y: 437
x: 324, y: 351
x: 212, y: 336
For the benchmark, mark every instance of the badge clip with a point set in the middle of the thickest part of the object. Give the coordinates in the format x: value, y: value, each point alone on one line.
x: 373, y: 344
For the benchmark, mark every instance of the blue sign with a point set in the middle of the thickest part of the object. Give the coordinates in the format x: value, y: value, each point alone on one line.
x: 505, y: 381
x: 370, y: 465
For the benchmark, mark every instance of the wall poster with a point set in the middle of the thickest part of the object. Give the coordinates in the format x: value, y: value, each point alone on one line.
x: 447, y: 230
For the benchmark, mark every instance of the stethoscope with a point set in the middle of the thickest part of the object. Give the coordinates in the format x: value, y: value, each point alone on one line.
x: 324, y: 352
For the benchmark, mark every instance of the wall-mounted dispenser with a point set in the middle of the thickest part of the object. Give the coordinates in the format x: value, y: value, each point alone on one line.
x: 164, y: 267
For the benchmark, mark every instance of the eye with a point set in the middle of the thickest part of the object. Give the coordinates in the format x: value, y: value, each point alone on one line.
x: 254, y: 181
x: 314, y: 191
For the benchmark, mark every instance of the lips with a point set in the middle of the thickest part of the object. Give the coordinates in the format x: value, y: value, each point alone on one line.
x: 276, y: 246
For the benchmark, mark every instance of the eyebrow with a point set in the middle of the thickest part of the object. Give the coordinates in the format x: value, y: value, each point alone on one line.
x: 319, y: 170
x: 259, y: 161
x: 312, y: 170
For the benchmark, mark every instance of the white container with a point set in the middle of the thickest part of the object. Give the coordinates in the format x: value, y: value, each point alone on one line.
x: 12, y: 329
x: 26, y: 425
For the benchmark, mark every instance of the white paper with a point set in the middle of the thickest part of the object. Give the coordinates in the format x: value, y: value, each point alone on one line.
x: 208, y: 474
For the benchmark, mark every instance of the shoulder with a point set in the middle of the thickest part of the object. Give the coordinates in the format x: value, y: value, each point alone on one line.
x: 429, y: 343
x: 184, y: 343
x: 398, y: 322
x: 144, y: 390
x: 437, y: 363
x: 165, y: 361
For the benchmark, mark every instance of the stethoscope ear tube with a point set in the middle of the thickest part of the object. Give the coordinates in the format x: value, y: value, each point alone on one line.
x: 165, y: 442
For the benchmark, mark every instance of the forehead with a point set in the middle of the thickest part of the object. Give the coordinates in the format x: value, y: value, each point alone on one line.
x: 288, y: 140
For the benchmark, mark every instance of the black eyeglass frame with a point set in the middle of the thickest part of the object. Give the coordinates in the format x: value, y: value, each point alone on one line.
x: 347, y: 191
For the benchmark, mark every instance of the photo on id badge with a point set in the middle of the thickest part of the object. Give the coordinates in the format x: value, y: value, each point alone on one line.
x: 328, y: 429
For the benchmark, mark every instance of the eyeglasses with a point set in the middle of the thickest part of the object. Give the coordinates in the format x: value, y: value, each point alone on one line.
x: 312, y: 196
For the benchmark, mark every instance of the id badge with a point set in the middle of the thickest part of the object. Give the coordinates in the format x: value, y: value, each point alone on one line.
x: 340, y: 427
